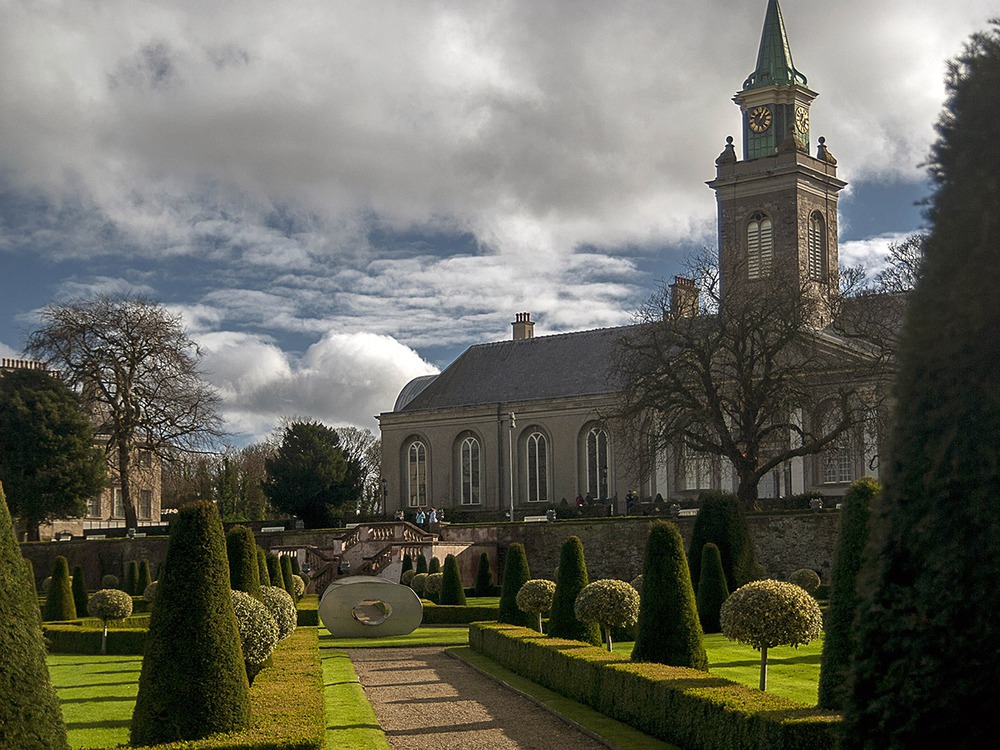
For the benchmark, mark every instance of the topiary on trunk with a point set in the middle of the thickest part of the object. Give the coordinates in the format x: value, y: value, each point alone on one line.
x: 79, y: 588
x: 712, y: 589
x: 572, y: 577
x: 484, y: 576
x: 244, y: 570
x: 836, y: 661
x: 721, y: 521
x: 59, y: 603
x: 30, y: 715
x: 668, y: 630
x: 609, y: 603
x: 515, y: 575
x: 452, y: 591
x: 193, y: 681
x: 535, y: 597
x: 109, y: 604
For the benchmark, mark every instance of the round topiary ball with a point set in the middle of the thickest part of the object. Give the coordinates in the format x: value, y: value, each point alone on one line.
x: 281, y: 607
x: 109, y: 581
x: 536, y: 595
x: 418, y: 582
x: 109, y: 604
x: 299, y: 584
x: 806, y: 578
x: 432, y: 586
x: 770, y: 613
x: 611, y: 603
x: 149, y: 594
x: 259, y: 632
x: 407, y: 576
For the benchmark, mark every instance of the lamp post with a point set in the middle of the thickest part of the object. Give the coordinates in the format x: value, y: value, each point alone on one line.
x: 511, y: 424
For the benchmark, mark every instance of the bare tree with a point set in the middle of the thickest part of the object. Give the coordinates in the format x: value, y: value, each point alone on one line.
x: 138, y: 372
x: 362, y: 445
x: 752, y: 380
x: 903, y: 266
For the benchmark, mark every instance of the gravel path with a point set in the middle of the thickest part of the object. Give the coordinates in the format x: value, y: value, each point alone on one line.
x: 425, y: 699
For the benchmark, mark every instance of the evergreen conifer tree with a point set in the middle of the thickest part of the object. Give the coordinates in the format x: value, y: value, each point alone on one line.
x: 668, y: 631
x: 30, y: 715
x: 422, y: 563
x: 193, y: 681
x: 274, y: 573
x: 265, y: 577
x: 407, y: 564
x: 79, y: 589
x: 836, y: 660
x: 721, y: 521
x: 452, y: 591
x: 244, y: 570
x: 515, y: 574
x: 143, y: 579
x: 59, y: 603
x: 484, y: 576
x: 286, y: 577
x: 435, y: 566
x: 926, y: 662
x: 712, y: 589
x: 31, y: 575
x: 571, y: 580
x: 131, y: 577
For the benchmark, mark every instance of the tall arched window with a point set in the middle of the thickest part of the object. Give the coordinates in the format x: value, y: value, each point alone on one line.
x: 416, y: 474
x: 760, y: 246
x: 469, y: 456
x: 538, y: 468
x: 816, y: 245
x: 597, y: 463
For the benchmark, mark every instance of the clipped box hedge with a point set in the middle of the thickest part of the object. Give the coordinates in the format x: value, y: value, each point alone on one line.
x: 451, y: 614
x: 693, y: 709
x: 308, y: 611
x: 65, y: 638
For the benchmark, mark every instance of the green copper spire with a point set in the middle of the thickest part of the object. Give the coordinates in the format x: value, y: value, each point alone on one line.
x: 774, y: 60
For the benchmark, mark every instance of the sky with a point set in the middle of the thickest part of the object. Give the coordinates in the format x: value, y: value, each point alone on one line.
x: 337, y: 197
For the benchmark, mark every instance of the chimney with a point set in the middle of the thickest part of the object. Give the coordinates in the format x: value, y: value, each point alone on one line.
x: 523, y: 327
x: 683, y: 298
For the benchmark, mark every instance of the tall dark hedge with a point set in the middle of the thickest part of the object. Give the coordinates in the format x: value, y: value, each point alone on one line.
x: 30, y: 567
x: 407, y: 564
x: 484, y: 576
x: 265, y: 576
x: 926, y: 664
x: 244, y: 570
x: 286, y: 576
x: 79, y: 588
x: 30, y: 715
x: 59, y: 604
x: 721, y: 521
x: 452, y: 591
x: 571, y: 579
x: 422, y: 563
x: 131, y: 577
x: 515, y: 574
x: 435, y: 566
x: 839, y: 625
x: 193, y: 681
x: 712, y: 589
x: 274, y: 571
x: 668, y: 631
x: 143, y: 579
x: 295, y: 565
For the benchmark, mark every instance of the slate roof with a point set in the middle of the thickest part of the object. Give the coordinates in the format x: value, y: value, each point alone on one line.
x: 547, y: 367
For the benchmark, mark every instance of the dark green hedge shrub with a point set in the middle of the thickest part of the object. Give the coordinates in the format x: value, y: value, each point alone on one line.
x: 484, y: 577
x: 73, y: 639
x: 59, y: 604
x: 79, y: 588
x: 241, y: 551
x: 571, y: 580
x: 444, y: 614
x: 452, y: 592
x: 515, y: 573
x: 721, y: 521
x: 308, y: 610
x: 693, y: 709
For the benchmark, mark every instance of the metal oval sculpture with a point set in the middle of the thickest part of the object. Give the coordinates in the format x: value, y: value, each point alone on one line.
x: 369, y: 607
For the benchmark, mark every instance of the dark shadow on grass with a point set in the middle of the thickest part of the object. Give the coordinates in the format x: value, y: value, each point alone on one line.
x: 100, y: 699
x: 78, y: 686
x: 771, y: 661
x: 345, y: 727
x: 477, y: 726
x: 106, y: 724
x: 400, y: 684
x: 345, y: 682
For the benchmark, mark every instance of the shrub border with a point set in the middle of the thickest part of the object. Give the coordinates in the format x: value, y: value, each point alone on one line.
x: 454, y: 614
x: 693, y: 709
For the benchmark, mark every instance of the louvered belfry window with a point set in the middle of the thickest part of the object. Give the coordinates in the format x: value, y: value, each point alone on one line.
x: 816, y: 254
x: 760, y: 246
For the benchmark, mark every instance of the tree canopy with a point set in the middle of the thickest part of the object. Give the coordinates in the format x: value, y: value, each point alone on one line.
x: 48, y: 459
x: 312, y: 476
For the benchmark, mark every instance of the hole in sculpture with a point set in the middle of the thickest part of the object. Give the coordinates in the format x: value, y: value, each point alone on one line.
x: 371, y: 612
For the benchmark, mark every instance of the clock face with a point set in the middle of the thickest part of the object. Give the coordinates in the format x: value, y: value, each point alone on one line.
x: 801, y: 119
x: 759, y: 119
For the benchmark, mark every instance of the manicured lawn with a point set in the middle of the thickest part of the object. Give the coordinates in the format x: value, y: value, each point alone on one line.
x: 97, y: 695
x: 433, y: 635
x: 350, y: 720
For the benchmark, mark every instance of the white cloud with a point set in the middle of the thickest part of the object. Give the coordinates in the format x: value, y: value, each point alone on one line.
x: 8, y: 352
x: 870, y: 253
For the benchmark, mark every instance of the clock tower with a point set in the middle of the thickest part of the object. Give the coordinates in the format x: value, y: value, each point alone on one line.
x: 777, y: 207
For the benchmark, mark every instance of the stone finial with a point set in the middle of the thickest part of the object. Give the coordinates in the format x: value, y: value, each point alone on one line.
x: 823, y: 154
x: 728, y: 155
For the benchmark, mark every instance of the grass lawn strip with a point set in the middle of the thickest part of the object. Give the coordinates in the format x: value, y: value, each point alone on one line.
x: 350, y: 719
x: 614, y: 734
x: 97, y: 694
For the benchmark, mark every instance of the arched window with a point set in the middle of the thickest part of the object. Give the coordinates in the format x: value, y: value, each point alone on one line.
x: 416, y: 474
x: 837, y: 460
x: 760, y: 246
x: 597, y: 463
x: 816, y: 244
x: 470, y: 471
x: 697, y: 470
x: 538, y: 468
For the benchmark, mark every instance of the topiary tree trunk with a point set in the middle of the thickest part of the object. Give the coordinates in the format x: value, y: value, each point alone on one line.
x: 515, y: 575
x: 79, y: 589
x: 572, y: 578
x: 484, y: 576
x: 244, y: 570
x: 926, y: 663
x: 59, y: 603
x: 30, y: 716
x: 193, y: 681
x: 452, y: 591
x: 668, y: 631
x: 712, y: 589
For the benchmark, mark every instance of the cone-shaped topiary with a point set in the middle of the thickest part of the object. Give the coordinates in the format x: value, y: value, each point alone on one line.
x: 407, y: 564
x: 720, y: 520
x: 452, y: 591
x: 421, y: 563
x: 109, y: 604
x: 30, y: 567
x: 193, y: 681
x: 535, y: 597
x: 610, y: 604
x: 265, y: 577
x: 515, y: 575
x: 484, y: 576
x: 143, y: 579
x: 712, y: 589
x: 30, y: 716
x: 79, y: 589
x: 434, y: 566
x: 572, y: 577
x: 286, y: 577
x: 295, y: 565
x: 59, y: 604
x: 274, y: 571
x: 668, y: 630
x: 131, y: 577
x: 836, y: 661
x: 241, y: 551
